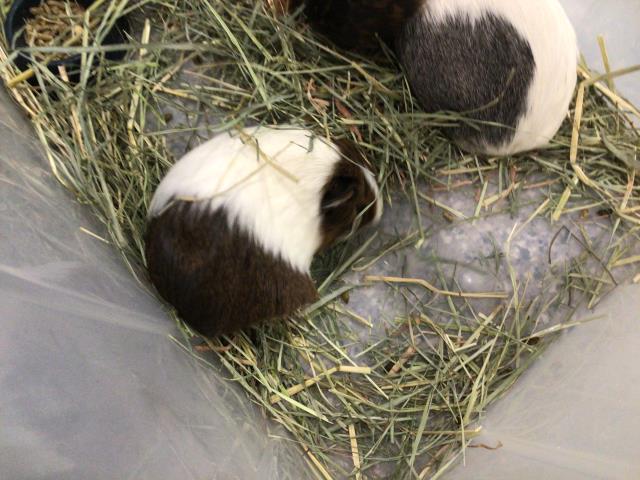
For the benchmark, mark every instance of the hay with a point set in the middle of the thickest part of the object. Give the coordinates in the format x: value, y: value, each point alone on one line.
x: 405, y: 403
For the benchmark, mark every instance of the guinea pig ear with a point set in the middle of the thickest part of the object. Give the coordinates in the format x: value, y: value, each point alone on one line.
x: 338, y: 191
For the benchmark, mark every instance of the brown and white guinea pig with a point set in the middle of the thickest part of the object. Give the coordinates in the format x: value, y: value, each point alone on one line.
x: 235, y: 223
x: 508, y: 64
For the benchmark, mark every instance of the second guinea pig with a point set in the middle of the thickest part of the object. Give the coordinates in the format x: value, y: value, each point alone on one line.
x: 510, y: 65
x: 235, y: 223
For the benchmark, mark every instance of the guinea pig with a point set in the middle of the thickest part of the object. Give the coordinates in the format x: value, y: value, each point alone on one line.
x: 508, y: 65
x: 235, y: 223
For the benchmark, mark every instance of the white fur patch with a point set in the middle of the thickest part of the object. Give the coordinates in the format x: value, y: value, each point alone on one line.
x: 545, y: 25
x: 281, y: 213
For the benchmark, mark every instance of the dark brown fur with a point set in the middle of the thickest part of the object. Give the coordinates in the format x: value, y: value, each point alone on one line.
x: 350, y: 191
x: 218, y: 279
x: 357, y: 24
x: 483, y: 69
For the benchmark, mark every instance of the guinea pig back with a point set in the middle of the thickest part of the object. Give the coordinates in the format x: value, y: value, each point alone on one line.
x: 509, y: 64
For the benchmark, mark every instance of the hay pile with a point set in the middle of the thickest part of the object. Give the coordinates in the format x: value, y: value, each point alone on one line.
x: 405, y: 402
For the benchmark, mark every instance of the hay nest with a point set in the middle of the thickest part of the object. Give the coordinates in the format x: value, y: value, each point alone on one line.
x: 404, y: 400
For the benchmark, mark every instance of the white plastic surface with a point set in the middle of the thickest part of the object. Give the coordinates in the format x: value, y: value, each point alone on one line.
x: 574, y: 415
x: 91, y: 384
x: 618, y: 22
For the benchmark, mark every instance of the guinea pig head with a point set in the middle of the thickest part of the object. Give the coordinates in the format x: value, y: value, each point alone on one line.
x: 350, y: 198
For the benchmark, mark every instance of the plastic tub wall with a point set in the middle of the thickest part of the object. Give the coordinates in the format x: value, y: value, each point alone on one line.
x: 91, y: 384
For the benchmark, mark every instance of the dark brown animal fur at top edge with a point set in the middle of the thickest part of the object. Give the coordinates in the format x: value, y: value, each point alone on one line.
x: 369, y: 20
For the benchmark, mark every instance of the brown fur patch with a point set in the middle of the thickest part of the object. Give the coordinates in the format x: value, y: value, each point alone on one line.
x: 218, y: 279
x: 357, y: 24
x: 346, y: 196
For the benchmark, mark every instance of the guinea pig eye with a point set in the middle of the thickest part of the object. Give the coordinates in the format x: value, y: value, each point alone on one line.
x: 338, y: 191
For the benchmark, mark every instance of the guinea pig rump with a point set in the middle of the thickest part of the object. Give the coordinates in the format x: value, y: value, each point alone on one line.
x: 216, y: 276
